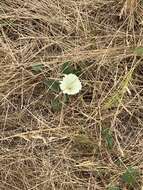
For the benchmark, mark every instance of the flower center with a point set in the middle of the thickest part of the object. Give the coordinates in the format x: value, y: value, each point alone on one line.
x: 69, y: 88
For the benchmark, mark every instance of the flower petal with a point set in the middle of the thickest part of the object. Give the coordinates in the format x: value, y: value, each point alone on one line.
x: 70, y: 84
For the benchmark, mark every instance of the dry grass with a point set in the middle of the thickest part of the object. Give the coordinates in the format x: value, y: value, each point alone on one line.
x: 68, y: 150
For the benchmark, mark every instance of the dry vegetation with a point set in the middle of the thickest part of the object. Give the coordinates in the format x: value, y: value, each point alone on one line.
x: 97, y: 135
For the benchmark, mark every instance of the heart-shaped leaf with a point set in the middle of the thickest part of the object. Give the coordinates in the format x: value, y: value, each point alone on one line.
x: 66, y: 68
x: 56, y: 105
x: 52, y: 85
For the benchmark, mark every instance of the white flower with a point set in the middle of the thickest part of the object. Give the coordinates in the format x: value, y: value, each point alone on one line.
x: 70, y: 84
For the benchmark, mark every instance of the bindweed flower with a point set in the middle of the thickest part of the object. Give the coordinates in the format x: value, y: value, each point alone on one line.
x: 70, y: 84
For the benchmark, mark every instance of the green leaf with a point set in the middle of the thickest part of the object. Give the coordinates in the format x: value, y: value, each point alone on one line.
x: 130, y: 176
x: 108, y: 137
x: 77, y: 71
x: 37, y: 68
x: 66, y: 98
x: 52, y: 85
x: 56, y: 105
x: 114, y: 188
x: 66, y: 68
x: 139, y: 51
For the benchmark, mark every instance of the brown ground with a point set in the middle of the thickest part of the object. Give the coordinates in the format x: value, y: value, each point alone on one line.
x: 97, y: 135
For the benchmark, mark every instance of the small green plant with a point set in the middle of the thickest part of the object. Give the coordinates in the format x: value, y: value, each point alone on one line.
x: 69, y: 85
x: 108, y: 136
x: 139, y: 51
x: 53, y: 86
x: 130, y: 176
